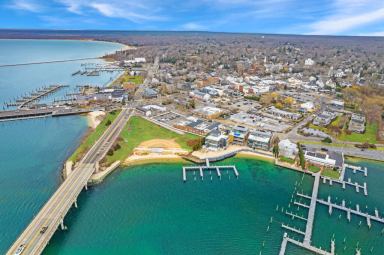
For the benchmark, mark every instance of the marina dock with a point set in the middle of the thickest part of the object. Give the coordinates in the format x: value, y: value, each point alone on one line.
x: 348, y: 210
x: 313, y: 249
x: 25, y: 101
x: 348, y: 182
x: 210, y: 167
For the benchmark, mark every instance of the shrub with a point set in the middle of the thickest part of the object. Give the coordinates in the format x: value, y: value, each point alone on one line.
x: 327, y: 140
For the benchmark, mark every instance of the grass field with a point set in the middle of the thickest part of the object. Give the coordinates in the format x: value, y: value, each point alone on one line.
x: 287, y: 160
x: 92, y: 137
x: 129, y: 78
x: 369, y: 135
x: 330, y: 173
x: 314, y: 169
x: 139, y: 130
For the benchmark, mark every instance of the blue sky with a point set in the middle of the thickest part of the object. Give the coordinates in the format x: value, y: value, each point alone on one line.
x: 332, y: 17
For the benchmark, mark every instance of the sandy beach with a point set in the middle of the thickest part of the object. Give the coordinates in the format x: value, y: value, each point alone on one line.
x: 95, y: 118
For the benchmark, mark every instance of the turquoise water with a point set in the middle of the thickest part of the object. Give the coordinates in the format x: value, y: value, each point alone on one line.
x: 32, y: 152
x: 149, y: 210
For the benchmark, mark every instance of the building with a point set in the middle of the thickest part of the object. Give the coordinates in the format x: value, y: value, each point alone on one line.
x: 260, y: 140
x: 149, y: 93
x: 239, y: 135
x: 288, y: 149
x: 283, y: 114
x: 327, y: 159
x: 200, y: 95
x: 357, y: 123
x: 216, y: 140
x: 336, y: 105
x: 307, y: 107
x: 324, y: 119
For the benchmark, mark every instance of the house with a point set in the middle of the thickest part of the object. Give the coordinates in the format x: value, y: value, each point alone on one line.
x: 327, y: 159
x: 216, y: 140
x: 149, y: 93
x: 324, y: 119
x: 357, y: 123
x: 239, y: 135
x: 200, y: 95
x: 307, y: 107
x: 260, y: 140
x: 288, y: 149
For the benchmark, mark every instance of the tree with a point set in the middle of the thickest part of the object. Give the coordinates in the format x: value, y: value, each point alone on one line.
x: 275, y: 150
x: 301, y: 156
x: 327, y: 140
x: 109, y: 122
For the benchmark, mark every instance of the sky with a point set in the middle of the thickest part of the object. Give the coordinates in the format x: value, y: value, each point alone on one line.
x: 321, y: 17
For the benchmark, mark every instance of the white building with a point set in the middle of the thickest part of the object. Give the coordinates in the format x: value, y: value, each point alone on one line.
x: 288, y: 149
x: 309, y: 62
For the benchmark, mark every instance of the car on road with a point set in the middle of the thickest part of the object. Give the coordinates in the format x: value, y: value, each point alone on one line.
x: 20, y: 249
x: 43, y: 229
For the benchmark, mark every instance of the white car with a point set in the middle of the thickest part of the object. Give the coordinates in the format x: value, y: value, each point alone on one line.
x: 20, y: 249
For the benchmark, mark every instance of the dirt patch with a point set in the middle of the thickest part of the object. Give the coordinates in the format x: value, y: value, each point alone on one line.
x: 160, y: 143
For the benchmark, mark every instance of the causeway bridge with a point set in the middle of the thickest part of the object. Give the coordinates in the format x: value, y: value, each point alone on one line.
x: 37, y: 234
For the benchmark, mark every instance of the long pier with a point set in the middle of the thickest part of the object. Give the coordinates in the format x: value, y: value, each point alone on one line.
x: 37, y: 234
x: 47, y: 62
x: 312, y: 208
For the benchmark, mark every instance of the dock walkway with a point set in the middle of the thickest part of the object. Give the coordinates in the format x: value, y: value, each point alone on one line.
x: 208, y: 166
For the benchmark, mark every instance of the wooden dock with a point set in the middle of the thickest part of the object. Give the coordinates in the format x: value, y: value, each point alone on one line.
x: 210, y: 167
x: 356, y: 185
x: 348, y: 210
x: 308, y: 247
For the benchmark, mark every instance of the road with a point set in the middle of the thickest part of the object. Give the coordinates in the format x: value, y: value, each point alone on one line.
x: 53, y: 212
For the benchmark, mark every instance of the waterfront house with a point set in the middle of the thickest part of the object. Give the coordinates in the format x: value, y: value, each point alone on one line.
x: 239, y: 134
x: 260, y: 140
x: 327, y: 159
x: 216, y: 140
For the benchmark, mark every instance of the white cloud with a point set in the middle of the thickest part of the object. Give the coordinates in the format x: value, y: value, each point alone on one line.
x: 193, y: 26
x: 347, y: 15
x: 25, y: 5
x: 133, y: 11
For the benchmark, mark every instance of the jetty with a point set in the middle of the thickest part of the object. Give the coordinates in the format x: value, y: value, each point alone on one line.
x: 355, y: 169
x: 209, y: 167
x: 348, y: 182
x: 306, y: 244
x: 348, y: 210
x: 313, y: 249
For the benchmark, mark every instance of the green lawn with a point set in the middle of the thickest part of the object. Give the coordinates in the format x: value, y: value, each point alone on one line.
x: 368, y: 136
x: 314, y: 169
x: 287, y: 160
x: 330, y: 173
x: 139, y: 130
x: 92, y: 137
